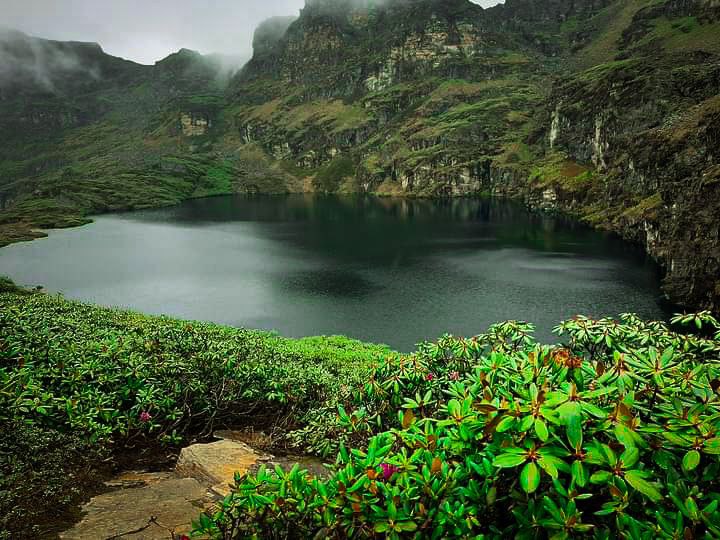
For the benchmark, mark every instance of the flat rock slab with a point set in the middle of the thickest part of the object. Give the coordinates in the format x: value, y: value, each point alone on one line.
x: 139, y: 498
x: 215, y: 464
x: 154, y: 506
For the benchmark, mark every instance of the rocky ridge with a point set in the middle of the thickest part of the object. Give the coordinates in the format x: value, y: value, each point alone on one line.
x: 607, y: 110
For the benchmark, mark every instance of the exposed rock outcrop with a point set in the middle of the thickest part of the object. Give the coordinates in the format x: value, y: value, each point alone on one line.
x: 157, y: 505
x: 605, y: 109
x: 456, y: 101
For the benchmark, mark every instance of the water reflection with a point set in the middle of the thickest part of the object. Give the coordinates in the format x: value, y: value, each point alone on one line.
x: 381, y: 269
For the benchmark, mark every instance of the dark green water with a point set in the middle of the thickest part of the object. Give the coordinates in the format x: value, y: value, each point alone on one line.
x: 385, y: 270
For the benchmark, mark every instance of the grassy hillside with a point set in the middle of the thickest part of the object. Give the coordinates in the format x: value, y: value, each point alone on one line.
x: 105, y: 135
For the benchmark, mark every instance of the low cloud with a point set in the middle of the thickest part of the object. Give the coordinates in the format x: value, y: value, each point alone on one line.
x: 42, y: 64
x: 146, y: 31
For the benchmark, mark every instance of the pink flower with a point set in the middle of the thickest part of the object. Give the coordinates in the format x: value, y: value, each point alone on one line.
x: 454, y: 376
x: 145, y: 416
x: 388, y: 470
x: 429, y: 376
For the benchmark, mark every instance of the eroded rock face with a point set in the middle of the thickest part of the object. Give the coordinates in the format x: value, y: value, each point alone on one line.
x: 654, y: 142
x: 443, y: 98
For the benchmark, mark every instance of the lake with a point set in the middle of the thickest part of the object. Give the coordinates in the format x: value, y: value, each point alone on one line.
x: 395, y: 271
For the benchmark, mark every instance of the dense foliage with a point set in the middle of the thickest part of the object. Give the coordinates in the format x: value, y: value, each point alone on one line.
x: 118, y: 374
x: 80, y: 386
x: 44, y: 474
x: 615, y: 434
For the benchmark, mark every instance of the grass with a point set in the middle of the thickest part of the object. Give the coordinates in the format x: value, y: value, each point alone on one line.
x: 689, y: 35
x: 333, y: 113
x: 600, y: 72
x: 556, y: 170
x: 645, y: 209
x: 612, y: 21
x: 682, y: 34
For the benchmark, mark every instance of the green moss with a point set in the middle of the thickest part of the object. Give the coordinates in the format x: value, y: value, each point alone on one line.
x: 645, y: 209
x: 557, y: 171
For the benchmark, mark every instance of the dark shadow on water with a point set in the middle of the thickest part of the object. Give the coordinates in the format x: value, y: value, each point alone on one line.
x: 389, y: 270
x: 330, y: 282
x: 357, y: 227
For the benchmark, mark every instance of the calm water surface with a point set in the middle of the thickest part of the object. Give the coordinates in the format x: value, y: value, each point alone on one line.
x: 385, y: 270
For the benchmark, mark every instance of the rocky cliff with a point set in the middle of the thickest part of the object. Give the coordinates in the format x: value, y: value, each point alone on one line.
x: 605, y: 109
x: 82, y: 131
x: 646, y: 127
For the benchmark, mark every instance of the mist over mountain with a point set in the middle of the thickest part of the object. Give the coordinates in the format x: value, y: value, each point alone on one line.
x: 27, y: 62
x: 570, y: 106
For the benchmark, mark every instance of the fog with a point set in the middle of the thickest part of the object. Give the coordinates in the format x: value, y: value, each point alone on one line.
x: 29, y: 61
x: 148, y: 30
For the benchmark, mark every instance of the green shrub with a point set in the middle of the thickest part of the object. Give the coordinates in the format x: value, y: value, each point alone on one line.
x: 614, y: 434
x: 120, y: 375
x: 329, y: 178
x: 8, y: 285
x: 43, y: 474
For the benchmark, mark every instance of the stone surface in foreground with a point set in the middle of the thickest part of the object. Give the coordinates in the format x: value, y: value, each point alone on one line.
x: 156, y: 506
x: 215, y: 464
x: 128, y: 511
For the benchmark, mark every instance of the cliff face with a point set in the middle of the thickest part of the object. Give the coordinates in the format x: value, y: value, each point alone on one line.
x: 606, y: 109
x: 82, y: 131
x: 646, y: 125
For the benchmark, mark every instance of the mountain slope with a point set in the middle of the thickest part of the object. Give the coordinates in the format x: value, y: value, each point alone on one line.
x: 605, y: 109
x: 82, y: 131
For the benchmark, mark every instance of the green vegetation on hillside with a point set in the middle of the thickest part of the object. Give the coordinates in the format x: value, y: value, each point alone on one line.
x: 97, y: 145
x: 112, y: 380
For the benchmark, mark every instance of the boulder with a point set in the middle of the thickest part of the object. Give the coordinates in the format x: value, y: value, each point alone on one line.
x: 215, y: 464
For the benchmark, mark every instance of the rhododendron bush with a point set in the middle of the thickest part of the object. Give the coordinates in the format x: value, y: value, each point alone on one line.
x: 614, y: 434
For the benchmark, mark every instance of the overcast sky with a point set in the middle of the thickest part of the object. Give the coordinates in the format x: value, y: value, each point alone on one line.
x: 148, y: 30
